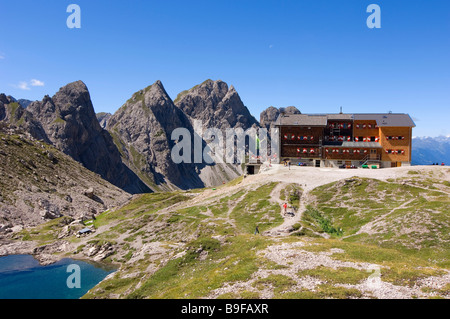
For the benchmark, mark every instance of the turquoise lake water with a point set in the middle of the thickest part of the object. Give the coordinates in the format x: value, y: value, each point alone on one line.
x: 22, y: 277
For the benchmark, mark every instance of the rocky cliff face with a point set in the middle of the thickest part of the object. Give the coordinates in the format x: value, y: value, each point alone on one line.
x: 142, y: 130
x: 12, y: 113
x: 103, y: 118
x: 132, y: 148
x: 67, y: 120
x: 216, y: 105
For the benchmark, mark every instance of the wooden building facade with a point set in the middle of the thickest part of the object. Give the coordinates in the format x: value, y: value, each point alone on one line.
x: 331, y: 140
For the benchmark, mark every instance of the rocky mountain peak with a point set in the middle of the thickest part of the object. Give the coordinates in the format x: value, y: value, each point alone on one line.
x: 216, y: 105
x: 70, y: 123
x: 292, y: 110
x: 3, y: 98
x: 142, y: 128
x: 270, y: 115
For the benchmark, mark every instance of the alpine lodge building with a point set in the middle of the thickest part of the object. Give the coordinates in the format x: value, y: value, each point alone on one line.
x: 337, y: 140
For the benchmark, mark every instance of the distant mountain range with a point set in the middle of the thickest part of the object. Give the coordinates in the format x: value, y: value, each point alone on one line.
x: 429, y: 150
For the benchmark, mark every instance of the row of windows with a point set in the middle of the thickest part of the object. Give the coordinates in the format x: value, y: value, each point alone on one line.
x: 298, y: 137
x: 395, y: 138
x: 342, y: 138
x: 349, y: 125
x: 368, y: 126
x: 354, y: 151
x: 307, y: 150
x: 395, y: 151
x: 338, y: 138
x: 367, y: 138
x: 349, y: 138
x: 340, y: 125
x: 345, y: 151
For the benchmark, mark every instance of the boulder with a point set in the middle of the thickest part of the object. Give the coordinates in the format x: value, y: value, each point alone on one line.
x: 89, y: 193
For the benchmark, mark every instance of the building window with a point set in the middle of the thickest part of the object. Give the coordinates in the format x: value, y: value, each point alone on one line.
x: 372, y: 138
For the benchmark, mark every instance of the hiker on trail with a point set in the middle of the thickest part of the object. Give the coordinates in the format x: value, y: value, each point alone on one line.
x: 289, y: 165
x: 257, y: 230
x: 285, y: 207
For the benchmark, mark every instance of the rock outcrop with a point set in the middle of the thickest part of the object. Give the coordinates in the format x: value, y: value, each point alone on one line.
x: 12, y: 113
x: 103, y: 118
x: 142, y: 130
x: 216, y: 105
x: 70, y: 124
x: 132, y: 148
x: 39, y: 182
x: 270, y: 115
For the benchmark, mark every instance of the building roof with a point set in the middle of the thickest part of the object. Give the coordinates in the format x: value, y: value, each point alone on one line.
x: 340, y: 116
x: 85, y: 230
x: 301, y: 120
x: 382, y: 119
x: 387, y: 119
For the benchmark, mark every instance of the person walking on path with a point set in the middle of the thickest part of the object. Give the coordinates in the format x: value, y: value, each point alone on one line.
x: 257, y: 230
x: 285, y: 207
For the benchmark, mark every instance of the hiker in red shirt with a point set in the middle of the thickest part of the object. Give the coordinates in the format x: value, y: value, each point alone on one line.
x: 285, y: 207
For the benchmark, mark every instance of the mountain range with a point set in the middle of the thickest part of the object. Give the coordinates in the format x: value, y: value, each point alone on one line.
x: 429, y: 150
x: 132, y: 147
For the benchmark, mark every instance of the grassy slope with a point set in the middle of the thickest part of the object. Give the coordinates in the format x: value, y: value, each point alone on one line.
x: 410, y: 219
x: 209, y: 244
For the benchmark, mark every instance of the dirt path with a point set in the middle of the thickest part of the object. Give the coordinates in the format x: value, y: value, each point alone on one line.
x: 289, y: 220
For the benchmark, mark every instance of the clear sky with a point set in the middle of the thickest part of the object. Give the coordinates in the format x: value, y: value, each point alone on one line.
x: 316, y: 55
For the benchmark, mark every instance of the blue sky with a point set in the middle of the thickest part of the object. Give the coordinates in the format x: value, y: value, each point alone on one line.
x: 317, y: 55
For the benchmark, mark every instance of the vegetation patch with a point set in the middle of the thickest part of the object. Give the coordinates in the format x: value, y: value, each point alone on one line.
x: 342, y: 275
x: 256, y: 209
x: 206, y: 266
x: 314, y: 218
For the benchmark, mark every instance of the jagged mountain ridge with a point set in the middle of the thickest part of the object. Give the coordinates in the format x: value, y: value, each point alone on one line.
x: 131, y: 148
x: 216, y: 105
x: 142, y: 130
x: 67, y: 121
